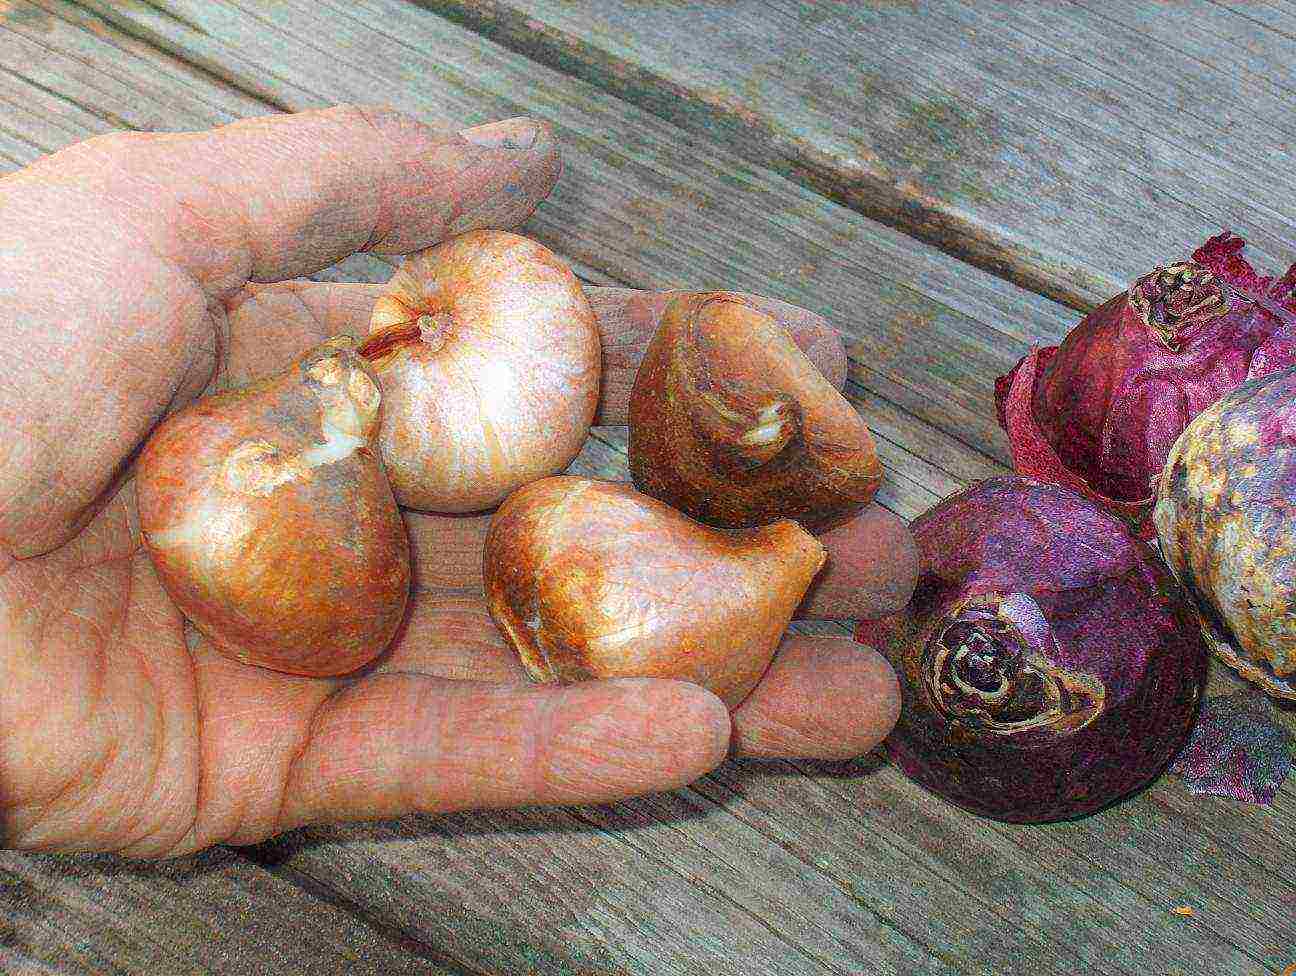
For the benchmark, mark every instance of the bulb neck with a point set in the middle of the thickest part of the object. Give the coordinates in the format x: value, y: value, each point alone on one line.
x: 992, y: 664
x: 424, y: 328
x: 1172, y: 300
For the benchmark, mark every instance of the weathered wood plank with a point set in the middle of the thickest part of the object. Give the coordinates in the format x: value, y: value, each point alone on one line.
x: 1233, y: 39
x: 979, y: 896
x: 583, y: 891
x: 927, y: 911
x: 35, y: 111
x: 215, y: 913
x: 1068, y: 887
x: 1201, y: 102
x: 78, y: 59
x: 1273, y: 14
x: 1170, y: 109
x: 15, y: 152
x: 541, y: 891
x: 1103, y: 887
x: 913, y: 119
x: 644, y: 203
x: 1020, y: 161
x: 16, y: 963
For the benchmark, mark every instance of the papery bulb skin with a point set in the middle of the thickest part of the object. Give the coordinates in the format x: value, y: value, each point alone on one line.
x: 592, y: 579
x: 1099, y: 413
x: 1049, y: 664
x: 271, y: 523
x: 733, y: 425
x: 488, y: 355
x: 1226, y: 523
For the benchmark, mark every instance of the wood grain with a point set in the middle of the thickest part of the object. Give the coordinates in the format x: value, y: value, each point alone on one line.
x: 851, y: 862
x: 551, y: 889
x: 215, y: 913
x: 978, y: 129
x: 103, y: 79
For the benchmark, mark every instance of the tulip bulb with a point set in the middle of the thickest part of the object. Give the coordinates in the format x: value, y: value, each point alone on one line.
x: 732, y: 424
x: 591, y: 579
x: 488, y: 356
x: 271, y: 523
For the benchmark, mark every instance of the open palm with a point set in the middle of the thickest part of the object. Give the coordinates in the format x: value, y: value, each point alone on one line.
x: 139, y: 271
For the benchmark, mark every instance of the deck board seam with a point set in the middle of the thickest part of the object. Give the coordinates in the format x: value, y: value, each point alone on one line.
x: 128, y: 27
x: 20, y: 137
x: 999, y: 830
x: 1026, y: 121
x: 55, y: 10
x: 790, y: 157
x: 873, y: 391
x: 1018, y: 925
x: 762, y: 170
x: 9, y: 103
x: 326, y: 894
x: 642, y: 852
x: 1252, y: 20
x: 102, y: 115
x: 173, y: 16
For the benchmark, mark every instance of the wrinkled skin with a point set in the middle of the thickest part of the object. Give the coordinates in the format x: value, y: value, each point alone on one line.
x: 128, y: 292
x: 1048, y: 663
x: 1099, y: 413
x: 1224, y: 518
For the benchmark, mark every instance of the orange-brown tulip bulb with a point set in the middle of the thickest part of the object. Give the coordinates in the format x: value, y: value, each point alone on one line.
x: 488, y: 356
x: 732, y: 424
x: 270, y: 520
x: 591, y: 579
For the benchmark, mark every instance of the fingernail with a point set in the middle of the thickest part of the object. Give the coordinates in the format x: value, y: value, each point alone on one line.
x: 520, y: 134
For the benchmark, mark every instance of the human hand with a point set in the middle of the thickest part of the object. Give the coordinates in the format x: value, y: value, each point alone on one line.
x: 129, y: 273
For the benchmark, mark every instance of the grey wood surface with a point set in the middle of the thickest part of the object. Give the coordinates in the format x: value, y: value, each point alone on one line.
x: 680, y: 176
x: 1024, y: 138
x: 217, y: 912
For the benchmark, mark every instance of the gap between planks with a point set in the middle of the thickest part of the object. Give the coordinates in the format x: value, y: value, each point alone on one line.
x: 1014, y: 159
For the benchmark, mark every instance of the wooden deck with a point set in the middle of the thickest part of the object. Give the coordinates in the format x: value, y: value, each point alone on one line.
x: 948, y: 183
